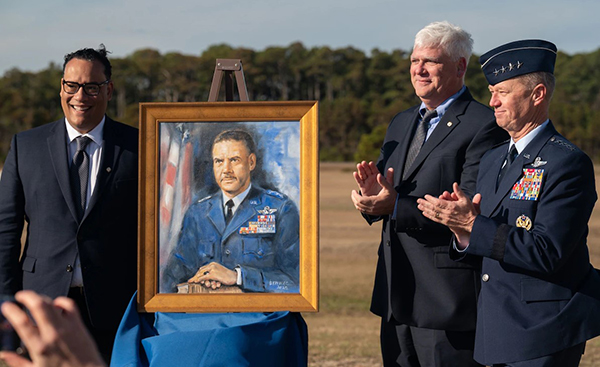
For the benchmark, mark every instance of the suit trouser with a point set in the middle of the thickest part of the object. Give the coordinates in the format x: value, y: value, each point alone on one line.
x: 103, y: 338
x: 569, y: 357
x: 409, y: 346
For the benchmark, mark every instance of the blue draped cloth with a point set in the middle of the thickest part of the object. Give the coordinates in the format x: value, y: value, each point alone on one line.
x: 207, y: 340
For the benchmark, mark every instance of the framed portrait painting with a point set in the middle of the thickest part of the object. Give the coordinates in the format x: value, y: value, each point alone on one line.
x: 228, y: 207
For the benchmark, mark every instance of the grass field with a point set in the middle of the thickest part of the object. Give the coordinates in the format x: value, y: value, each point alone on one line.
x: 344, y: 332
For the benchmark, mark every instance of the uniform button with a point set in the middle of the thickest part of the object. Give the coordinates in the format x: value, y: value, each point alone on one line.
x: 260, y: 253
x: 69, y: 269
x: 227, y: 252
x: 485, y: 277
x: 387, y: 242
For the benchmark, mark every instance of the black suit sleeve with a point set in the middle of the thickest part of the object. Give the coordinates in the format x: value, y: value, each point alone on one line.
x: 12, y: 218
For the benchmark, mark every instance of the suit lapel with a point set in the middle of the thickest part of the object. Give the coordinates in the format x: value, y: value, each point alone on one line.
x: 445, y: 126
x: 215, y: 213
x: 110, y: 154
x: 487, y: 184
x: 57, y: 147
x: 526, y: 157
x: 399, y: 159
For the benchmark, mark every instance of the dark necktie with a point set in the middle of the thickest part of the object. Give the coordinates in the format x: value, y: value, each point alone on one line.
x: 510, y: 157
x: 229, y: 204
x: 418, y: 140
x: 80, y: 173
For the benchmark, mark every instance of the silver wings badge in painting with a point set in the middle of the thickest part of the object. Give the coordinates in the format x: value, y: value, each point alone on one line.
x: 229, y: 219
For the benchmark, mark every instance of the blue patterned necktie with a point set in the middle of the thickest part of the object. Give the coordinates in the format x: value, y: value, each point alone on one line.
x: 418, y: 140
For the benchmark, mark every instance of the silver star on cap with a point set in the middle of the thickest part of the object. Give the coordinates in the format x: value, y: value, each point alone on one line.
x: 503, y: 69
x: 510, y: 66
x: 519, y: 64
x: 496, y: 72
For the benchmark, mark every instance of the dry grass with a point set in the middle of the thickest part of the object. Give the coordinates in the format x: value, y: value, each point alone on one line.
x: 344, y: 332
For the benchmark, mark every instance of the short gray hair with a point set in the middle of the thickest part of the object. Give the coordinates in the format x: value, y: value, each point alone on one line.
x: 540, y: 77
x: 453, y: 40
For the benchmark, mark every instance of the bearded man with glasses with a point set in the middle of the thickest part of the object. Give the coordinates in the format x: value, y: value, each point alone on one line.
x: 74, y: 181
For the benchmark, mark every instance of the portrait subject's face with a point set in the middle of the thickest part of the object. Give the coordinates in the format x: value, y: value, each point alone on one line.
x: 232, y: 166
x: 84, y: 112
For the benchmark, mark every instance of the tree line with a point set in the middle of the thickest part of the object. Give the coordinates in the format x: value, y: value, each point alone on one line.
x: 359, y: 93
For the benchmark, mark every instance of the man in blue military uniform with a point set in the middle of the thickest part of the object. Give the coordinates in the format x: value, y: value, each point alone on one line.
x: 540, y: 296
x: 243, y: 235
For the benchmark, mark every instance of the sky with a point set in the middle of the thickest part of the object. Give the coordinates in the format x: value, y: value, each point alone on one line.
x: 34, y: 33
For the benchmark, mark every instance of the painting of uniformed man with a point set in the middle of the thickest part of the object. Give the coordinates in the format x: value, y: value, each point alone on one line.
x: 228, y: 218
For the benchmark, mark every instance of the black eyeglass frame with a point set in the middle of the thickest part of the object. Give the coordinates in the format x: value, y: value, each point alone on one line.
x: 84, y: 85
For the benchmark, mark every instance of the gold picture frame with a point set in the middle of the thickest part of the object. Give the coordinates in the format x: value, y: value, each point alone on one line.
x: 182, y: 129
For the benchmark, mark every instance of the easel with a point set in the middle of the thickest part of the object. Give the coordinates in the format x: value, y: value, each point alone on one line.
x: 229, y: 67
x: 235, y: 331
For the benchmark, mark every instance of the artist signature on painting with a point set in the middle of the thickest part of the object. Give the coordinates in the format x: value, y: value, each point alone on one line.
x: 280, y: 286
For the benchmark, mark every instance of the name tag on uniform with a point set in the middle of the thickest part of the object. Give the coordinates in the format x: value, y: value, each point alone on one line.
x: 528, y: 187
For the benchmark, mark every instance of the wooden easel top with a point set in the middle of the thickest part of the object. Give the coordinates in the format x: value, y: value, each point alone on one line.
x: 229, y: 67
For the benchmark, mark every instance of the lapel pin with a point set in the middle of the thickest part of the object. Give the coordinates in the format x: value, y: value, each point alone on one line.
x: 108, y: 169
x: 449, y: 123
x: 526, y: 156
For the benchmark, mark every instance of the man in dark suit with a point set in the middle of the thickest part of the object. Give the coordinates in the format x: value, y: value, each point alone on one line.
x: 74, y: 182
x: 540, y: 296
x: 426, y: 302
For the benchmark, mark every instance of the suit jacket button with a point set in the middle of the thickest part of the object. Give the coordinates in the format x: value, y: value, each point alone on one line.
x: 69, y: 269
x: 485, y: 277
x: 227, y: 252
x: 387, y: 242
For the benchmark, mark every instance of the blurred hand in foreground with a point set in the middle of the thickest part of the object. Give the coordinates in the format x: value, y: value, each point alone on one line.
x: 56, y: 337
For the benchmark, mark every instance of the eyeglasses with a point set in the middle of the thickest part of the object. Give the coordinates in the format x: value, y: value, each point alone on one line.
x: 91, y: 89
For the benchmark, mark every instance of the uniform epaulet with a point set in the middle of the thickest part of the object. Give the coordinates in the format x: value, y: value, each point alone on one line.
x: 560, y: 141
x: 275, y: 193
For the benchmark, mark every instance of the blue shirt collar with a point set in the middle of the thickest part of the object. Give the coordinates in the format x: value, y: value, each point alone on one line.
x: 238, y: 199
x: 524, y: 141
x: 442, y: 108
